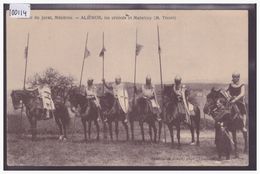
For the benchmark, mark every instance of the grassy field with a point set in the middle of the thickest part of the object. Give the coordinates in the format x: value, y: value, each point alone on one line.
x: 49, y: 151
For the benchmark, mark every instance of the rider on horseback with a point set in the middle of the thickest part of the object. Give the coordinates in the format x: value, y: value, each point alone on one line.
x: 91, y: 94
x: 44, y: 94
x: 148, y: 93
x: 236, y: 91
x: 116, y: 86
x: 180, y: 93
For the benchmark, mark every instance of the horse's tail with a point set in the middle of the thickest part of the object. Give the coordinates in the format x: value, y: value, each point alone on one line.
x: 197, y: 112
x: 197, y: 116
x: 65, y: 115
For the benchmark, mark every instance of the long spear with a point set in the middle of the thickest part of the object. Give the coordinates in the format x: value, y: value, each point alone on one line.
x: 86, y: 54
x: 159, y: 53
x: 135, y: 69
x: 103, y: 62
x: 25, y: 73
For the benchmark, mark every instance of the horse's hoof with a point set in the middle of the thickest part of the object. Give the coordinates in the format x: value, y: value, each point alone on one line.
x: 192, y: 143
x: 236, y: 155
x: 64, y: 139
x: 198, y: 143
x: 60, y: 137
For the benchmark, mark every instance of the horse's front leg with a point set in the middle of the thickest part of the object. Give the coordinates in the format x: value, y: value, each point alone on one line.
x: 141, y: 123
x: 97, y: 126
x: 170, y: 127
x: 150, y: 131
x: 89, y: 129
x: 234, y: 135
x: 154, y: 131
x: 58, y: 122
x: 160, y: 130
x: 116, y: 129
x: 110, y: 129
x: 178, y: 128
x: 126, y: 130
x: 198, y: 131
x: 64, y: 131
x: 105, y: 130
x: 85, y: 128
x: 245, y: 140
x: 192, y: 132
x: 132, y: 129
x: 34, y: 128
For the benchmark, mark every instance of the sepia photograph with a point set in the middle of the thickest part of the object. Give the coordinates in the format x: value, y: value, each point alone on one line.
x: 102, y: 86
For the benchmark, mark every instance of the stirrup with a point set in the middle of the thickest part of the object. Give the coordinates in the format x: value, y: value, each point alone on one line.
x: 244, y: 129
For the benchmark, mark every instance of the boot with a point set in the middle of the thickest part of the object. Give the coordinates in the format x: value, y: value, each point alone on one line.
x: 158, y: 118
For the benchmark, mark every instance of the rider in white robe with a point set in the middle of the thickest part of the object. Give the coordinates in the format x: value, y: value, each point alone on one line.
x: 91, y: 94
x: 115, y: 87
x: 148, y: 93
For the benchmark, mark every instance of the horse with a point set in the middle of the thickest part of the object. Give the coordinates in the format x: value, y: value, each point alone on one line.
x: 231, y: 118
x: 174, y: 118
x: 142, y: 113
x: 87, y: 110
x: 35, y: 112
x: 113, y: 113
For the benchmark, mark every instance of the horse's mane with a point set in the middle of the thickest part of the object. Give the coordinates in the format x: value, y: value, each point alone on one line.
x: 216, y: 94
x: 107, y: 100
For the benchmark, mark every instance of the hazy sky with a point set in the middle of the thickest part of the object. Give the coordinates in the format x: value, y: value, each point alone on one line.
x: 200, y: 46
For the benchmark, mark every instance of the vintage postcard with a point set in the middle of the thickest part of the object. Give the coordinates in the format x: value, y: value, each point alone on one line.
x: 149, y: 86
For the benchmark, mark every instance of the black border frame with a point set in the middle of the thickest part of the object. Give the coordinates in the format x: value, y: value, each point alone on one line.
x: 251, y: 8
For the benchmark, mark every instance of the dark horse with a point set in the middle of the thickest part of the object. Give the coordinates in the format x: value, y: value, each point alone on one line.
x: 230, y: 117
x: 113, y: 113
x: 175, y: 118
x: 35, y: 112
x: 87, y: 110
x: 142, y: 113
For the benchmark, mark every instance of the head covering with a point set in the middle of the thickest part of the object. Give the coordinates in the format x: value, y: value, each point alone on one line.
x: 148, y: 77
x: 236, y: 75
x: 177, y: 79
x: 118, y: 77
x: 90, y: 81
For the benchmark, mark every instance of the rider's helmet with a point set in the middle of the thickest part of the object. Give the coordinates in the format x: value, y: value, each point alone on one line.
x: 118, y: 79
x: 90, y: 81
x: 148, y: 79
x: 235, y: 77
x: 177, y: 79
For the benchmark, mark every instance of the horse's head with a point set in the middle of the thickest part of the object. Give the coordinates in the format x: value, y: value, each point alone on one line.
x: 167, y: 90
x: 59, y: 101
x: 213, y: 100
x: 169, y: 97
x: 75, y: 97
x: 106, y: 101
x: 17, y: 98
x: 141, y: 105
